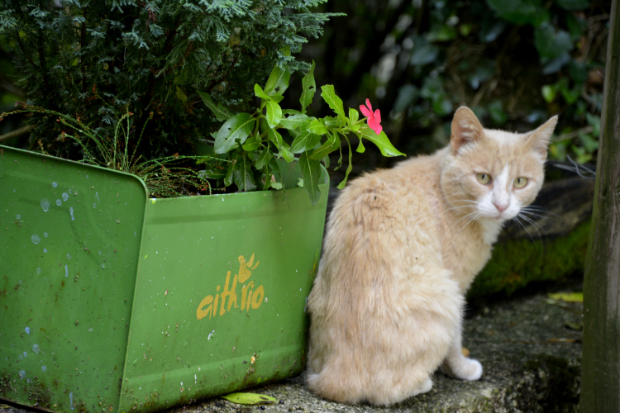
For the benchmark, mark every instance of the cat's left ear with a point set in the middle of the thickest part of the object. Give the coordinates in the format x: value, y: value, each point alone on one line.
x: 466, y: 129
x: 538, y: 139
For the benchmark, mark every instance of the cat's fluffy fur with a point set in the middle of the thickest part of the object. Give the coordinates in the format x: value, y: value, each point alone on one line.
x: 402, y: 248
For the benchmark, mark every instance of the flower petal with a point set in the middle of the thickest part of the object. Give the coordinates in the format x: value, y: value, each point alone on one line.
x: 368, y: 104
x: 365, y: 111
x: 375, y: 125
x: 377, y: 115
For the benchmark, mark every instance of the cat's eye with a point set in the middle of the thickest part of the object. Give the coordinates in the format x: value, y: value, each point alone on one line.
x: 484, y: 179
x: 520, y: 182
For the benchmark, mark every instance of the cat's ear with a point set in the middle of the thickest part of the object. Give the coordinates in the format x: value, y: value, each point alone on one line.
x: 466, y: 128
x: 538, y: 140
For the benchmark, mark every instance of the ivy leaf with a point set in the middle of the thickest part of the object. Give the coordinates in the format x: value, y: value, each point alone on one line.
x: 382, y: 142
x: 276, y: 138
x: 329, y: 96
x: 249, y: 398
x: 521, y: 11
x: 308, y: 86
x: 220, y: 112
x: 237, y: 128
x: 274, y: 114
x: 305, y: 141
x: 317, y: 127
x: 277, y: 82
x: 551, y: 43
x: 330, y: 145
x: 311, y: 172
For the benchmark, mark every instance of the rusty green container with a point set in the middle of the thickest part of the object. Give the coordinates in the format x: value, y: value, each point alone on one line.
x: 113, y: 301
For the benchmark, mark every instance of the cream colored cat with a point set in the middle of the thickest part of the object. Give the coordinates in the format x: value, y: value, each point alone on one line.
x: 402, y: 248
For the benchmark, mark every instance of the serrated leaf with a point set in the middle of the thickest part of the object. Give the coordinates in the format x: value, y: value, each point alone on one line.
x: 311, y: 172
x: 308, y: 86
x: 331, y: 144
x: 274, y: 114
x: 276, y: 138
x: 567, y: 297
x: 263, y: 159
x: 294, y: 121
x: 317, y: 127
x: 277, y: 82
x: 250, y: 398
x: 329, y: 96
x: 382, y: 142
x: 237, y: 128
x: 220, y: 112
x: 305, y: 142
x: 353, y: 115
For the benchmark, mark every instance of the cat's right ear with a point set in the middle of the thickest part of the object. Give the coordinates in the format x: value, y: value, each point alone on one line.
x: 466, y: 128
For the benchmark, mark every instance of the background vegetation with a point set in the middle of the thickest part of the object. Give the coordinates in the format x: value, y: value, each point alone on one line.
x: 515, y: 63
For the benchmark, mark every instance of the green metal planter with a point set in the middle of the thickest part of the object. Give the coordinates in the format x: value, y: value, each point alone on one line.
x: 110, y: 301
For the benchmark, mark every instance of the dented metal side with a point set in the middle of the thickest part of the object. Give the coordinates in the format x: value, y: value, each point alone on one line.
x: 70, y: 236
x: 220, y: 295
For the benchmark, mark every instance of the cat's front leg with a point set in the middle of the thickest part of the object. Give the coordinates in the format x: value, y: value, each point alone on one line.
x: 457, y: 365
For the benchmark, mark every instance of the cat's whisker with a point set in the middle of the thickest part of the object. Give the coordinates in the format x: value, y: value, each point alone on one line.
x: 478, y: 215
x: 518, y: 221
x: 538, y: 209
x: 465, y: 217
x: 532, y: 223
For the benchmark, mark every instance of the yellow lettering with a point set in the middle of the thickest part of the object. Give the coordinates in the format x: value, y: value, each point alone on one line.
x: 227, y: 292
x: 259, y: 295
x: 249, y: 299
x: 244, y: 292
x: 217, y: 296
x: 200, y: 313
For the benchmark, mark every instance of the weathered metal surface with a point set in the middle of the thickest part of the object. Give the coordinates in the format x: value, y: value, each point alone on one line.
x: 220, y: 295
x: 70, y: 236
x: 78, y: 267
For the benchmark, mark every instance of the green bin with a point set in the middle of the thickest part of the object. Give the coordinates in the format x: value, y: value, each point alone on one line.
x: 113, y: 301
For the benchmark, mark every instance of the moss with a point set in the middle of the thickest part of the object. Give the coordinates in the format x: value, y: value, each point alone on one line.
x: 517, y: 263
x: 556, y: 383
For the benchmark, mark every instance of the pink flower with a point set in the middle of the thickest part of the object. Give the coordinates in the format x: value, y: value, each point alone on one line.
x: 374, y: 119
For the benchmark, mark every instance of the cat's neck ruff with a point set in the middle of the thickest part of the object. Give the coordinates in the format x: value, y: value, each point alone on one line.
x: 490, y: 229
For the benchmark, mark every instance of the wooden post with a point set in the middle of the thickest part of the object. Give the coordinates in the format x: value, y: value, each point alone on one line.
x: 600, y: 391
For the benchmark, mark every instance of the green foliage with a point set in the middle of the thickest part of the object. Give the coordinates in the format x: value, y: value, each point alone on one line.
x: 253, y: 142
x: 97, y: 60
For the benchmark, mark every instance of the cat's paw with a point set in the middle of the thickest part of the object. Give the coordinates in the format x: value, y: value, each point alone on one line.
x: 424, y: 387
x: 464, y: 369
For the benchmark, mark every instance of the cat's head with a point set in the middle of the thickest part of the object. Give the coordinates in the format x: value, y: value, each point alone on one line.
x: 492, y: 174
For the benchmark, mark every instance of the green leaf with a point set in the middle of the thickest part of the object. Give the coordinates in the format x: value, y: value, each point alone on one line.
x: 237, y: 128
x: 274, y: 114
x: 423, y: 52
x: 588, y: 142
x: 551, y: 43
x: 549, y: 92
x: 251, y: 144
x: 331, y: 144
x: 277, y: 82
x: 311, y: 172
x: 407, y: 94
x: 228, y: 179
x: 521, y: 11
x: 250, y: 398
x: 329, y: 96
x: 353, y: 115
x: 317, y: 127
x: 220, y: 112
x: 574, y: 4
x: 308, y: 89
x: 360, y: 147
x: 294, y: 121
x: 382, y: 142
x: 181, y: 95
x: 276, y: 138
x: 263, y: 159
x: 567, y: 297
x: 243, y: 174
x: 305, y: 141
x: 259, y: 92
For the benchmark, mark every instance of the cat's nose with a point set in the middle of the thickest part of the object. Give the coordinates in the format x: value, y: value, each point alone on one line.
x: 500, y: 207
